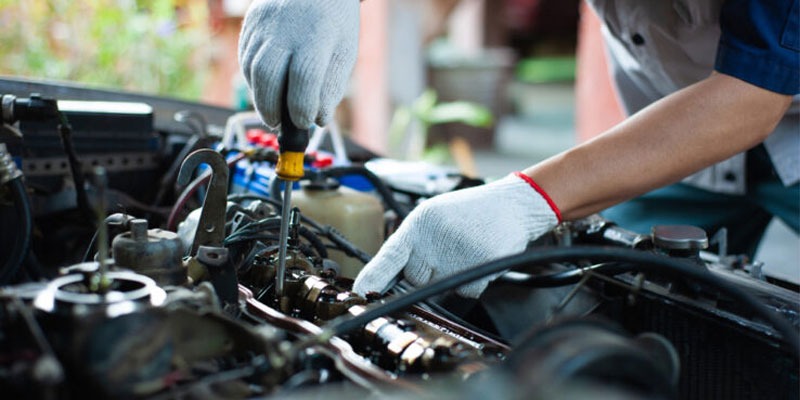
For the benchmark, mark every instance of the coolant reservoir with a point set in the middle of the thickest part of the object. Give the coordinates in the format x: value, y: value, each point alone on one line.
x: 358, y: 216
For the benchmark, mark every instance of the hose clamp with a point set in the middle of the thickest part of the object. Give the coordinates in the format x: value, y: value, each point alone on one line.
x: 8, y: 169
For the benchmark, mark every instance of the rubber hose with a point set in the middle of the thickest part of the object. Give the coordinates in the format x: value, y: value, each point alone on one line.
x: 338, y: 172
x: 275, y: 224
x: 346, y: 246
x: 380, y: 186
x: 328, y: 231
x: 562, y: 278
x: 644, y: 262
x: 237, y: 197
x: 23, y: 242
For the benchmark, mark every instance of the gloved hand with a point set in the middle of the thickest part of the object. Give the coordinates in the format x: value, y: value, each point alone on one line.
x: 458, y: 230
x: 310, y: 43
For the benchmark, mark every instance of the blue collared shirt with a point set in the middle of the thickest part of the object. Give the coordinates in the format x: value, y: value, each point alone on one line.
x: 658, y: 47
x: 760, y: 43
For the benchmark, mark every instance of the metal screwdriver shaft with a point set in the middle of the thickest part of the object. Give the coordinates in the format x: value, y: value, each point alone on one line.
x: 293, y: 142
x: 284, y: 238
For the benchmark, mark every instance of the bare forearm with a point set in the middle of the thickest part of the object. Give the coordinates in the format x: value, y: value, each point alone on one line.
x: 689, y: 130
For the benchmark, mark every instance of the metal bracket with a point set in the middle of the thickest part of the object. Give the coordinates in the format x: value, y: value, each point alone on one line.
x: 221, y: 272
x: 211, y: 227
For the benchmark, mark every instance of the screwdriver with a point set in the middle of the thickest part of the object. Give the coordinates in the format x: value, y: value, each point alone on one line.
x: 292, y: 142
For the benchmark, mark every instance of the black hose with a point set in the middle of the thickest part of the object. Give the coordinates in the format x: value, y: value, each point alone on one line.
x: 23, y: 242
x: 314, y: 240
x: 562, y: 278
x: 254, y: 197
x: 403, y: 287
x: 199, y: 139
x: 256, y: 226
x: 644, y: 261
x: 345, y: 245
x: 274, y: 224
x: 169, y: 177
x: 338, y: 172
x: 278, y: 206
x: 65, y: 132
x: 341, y: 242
x: 380, y: 186
x: 308, y: 251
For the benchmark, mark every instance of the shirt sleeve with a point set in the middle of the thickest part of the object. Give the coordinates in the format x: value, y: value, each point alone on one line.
x: 760, y: 43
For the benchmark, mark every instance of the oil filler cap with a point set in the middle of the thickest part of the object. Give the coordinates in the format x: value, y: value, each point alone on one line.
x: 679, y: 237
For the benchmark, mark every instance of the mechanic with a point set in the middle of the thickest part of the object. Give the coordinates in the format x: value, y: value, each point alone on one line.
x: 704, y: 82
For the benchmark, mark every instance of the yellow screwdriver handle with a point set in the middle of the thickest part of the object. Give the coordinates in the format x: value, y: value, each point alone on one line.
x: 290, y: 165
x: 293, y: 142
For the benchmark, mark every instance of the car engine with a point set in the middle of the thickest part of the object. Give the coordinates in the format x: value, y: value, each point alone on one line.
x: 139, y: 253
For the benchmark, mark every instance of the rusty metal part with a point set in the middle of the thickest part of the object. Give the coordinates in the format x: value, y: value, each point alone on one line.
x: 407, y: 345
x: 295, y: 260
x: 156, y: 253
x: 308, y: 295
x: 211, y: 227
x: 350, y: 364
x: 436, y: 323
x: 168, y: 343
x: 318, y: 300
x: 410, y: 344
x: 372, y: 328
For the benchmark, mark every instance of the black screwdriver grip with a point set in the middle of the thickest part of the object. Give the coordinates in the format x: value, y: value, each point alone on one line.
x: 291, y: 138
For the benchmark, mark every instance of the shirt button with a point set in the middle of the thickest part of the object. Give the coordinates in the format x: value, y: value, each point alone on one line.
x: 637, y: 39
x: 730, y: 177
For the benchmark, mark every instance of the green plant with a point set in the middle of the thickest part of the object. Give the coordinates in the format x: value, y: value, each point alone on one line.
x: 155, y: 46
x: 408, y: 132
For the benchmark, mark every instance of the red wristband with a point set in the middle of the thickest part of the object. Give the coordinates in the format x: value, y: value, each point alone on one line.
x: 541, y: 191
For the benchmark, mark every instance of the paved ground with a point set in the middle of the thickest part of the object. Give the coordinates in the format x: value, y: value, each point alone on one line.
x: 544, y: 126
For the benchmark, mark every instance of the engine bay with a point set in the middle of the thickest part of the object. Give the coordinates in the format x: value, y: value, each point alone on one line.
x: 140, y: 249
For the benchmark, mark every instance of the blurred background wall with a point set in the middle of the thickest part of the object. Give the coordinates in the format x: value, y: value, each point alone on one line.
x: 467, y: 50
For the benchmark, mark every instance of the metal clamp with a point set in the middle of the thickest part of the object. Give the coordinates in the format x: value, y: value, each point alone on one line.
x: 7, y: 107
x: 8, y: 169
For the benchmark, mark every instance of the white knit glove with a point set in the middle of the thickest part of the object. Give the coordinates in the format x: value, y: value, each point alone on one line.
x: 458, y: 230
x: 312, y: 43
